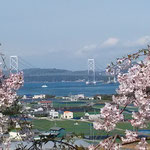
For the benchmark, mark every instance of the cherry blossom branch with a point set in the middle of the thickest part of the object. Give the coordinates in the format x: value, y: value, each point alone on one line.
x: 118, y: 137
x: 124, y: 108
x: 110, y: 68
x: 99, y: 145
x: 135, y: 141
x: 45, y: 140
x: 115, y: 137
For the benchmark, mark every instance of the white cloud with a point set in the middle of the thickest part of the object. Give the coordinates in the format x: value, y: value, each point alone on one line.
x: 142, y: 41
x: 110, y: 42
x: 87, y: 49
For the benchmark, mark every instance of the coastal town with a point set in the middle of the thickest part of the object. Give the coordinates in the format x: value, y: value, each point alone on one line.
x: 66, y: 116
x: 73, y: 109
x: 39, y: 106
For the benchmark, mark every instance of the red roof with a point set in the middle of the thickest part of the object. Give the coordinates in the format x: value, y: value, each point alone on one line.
x: 67, y: 112
x: 45, y: 102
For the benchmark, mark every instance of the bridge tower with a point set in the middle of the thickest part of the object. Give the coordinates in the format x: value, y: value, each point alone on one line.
x: 91, y: 72
x: 14, y: 64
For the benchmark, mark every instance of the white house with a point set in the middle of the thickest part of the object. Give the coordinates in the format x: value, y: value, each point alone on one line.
x: 91, y: 98
x: 73, y: 98
x: 80, y: 96
x: 39, y: 96
x: 68, y: 115
x: 15, y: 136
x: 40, y: 109
x: 24, y: 97
x: 77, y: 97
x: 27, y: 108
x: 99, y: 97
x: 53, y: 114
x: 65, y: 97
x: 94, y: 117
x: 47, y: 104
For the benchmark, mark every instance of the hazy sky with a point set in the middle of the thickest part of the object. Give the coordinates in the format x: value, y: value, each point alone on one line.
x: 65, y: 33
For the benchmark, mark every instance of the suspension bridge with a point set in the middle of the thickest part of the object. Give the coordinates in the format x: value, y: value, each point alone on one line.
x: 17, y: 62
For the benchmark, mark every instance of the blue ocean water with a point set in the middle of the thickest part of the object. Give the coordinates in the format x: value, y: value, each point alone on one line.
x: 67, y: 88
x: 144, y: 131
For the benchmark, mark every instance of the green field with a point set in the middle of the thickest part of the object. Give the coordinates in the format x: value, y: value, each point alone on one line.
x: 78, y: 114
x: 81, y: 114
x: 69, y: 104
x: 127, y: 116
x: 98, y: 106
x: 85, y: 128
x: 69, y: 125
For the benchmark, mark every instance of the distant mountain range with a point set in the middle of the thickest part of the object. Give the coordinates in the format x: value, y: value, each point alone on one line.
x: 59, y: 75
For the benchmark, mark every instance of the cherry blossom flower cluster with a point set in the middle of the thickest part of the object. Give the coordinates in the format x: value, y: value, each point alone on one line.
x: 108, y: 144
x: 139, y: 119
x: 130, y: 136
x: 91, y: 147
x: 4, y: 120
x: 134, y: 89
x: 15, y: 81
x: 142, y: 145
x: 111, y: 115
x: 125, y: 62
x: 8, y: 89
x: 121, y: 100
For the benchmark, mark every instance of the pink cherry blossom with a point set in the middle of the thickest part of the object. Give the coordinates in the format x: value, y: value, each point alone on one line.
x: 142, y: 145
x: 108, y: 144
x: 134, y: 89
x: 130, y: 136
x: 110, y: 115
x: 91, y: 147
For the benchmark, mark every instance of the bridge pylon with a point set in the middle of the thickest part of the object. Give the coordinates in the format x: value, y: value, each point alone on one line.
x: 91, y: 72
x: 14, y: 64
